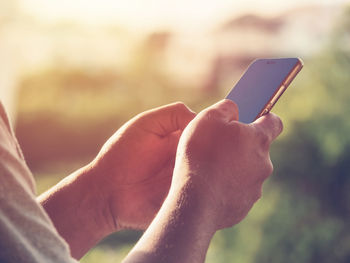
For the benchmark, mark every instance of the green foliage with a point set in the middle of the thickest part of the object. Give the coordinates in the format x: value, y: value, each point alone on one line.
x: 310, y: 219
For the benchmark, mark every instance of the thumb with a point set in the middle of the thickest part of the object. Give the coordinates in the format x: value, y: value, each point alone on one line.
x: 167, y: 119
x: 269, y: 125
x: 225, y: 110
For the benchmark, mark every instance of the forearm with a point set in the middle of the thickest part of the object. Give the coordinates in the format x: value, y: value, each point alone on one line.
x: 76, y: 210
x: 181, y: 231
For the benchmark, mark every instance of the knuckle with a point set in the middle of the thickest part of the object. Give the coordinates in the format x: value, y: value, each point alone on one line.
x: 230, y: 106
x: 237, y: 130
x: 212, y: 114
x: 182, y: 109
x: 264, y: 140
x: 258, y: 194
x: 268, y: 168
x: 180, y: 105
x: 278, y: 123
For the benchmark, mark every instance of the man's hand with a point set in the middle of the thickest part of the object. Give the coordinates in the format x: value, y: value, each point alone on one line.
x: 135, y: 166
x: 124, y: 186
x: 220, y: 167
x: 225, y: 160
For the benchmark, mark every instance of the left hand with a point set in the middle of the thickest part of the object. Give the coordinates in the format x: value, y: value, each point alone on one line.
x: 134, y: 168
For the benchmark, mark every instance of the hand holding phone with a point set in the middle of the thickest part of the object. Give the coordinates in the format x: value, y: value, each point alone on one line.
x: 262, y: 85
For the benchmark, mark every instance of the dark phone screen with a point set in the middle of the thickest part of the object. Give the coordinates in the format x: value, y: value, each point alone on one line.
x: 258, y: 84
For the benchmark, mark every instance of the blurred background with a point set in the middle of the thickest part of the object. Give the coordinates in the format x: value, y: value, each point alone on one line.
x: 72, y: 72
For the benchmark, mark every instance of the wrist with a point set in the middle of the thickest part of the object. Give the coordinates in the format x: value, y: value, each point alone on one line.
x: 190, y: 194
x: 181, y: 231
x: 95, y: 201
x: 76, y: 208
x: 193, y: 184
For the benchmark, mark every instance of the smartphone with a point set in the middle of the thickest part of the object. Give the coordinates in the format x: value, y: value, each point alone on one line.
x: 262, y: 85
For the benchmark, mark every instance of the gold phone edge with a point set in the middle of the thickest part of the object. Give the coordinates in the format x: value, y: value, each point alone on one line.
x: 284, y: 85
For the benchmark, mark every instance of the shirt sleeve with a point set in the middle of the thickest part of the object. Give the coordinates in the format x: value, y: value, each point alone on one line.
x: 26, y: 232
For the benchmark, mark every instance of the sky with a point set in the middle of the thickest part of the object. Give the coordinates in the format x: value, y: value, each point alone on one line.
x: 150, y: 14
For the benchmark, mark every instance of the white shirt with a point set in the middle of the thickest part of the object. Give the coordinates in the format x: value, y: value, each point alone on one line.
x: 26, y: 232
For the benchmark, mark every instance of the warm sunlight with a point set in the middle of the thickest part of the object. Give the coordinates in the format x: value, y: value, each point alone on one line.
x: 72, y: 72
x: 151, y: 14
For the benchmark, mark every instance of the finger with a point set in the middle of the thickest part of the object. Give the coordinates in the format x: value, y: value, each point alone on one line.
x: 225, y: 110
x: 173, y: 140
x: 167, y: 119
x: 269, y: 126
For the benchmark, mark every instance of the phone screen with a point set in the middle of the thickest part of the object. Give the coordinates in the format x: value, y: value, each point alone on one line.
x: 259, y: 84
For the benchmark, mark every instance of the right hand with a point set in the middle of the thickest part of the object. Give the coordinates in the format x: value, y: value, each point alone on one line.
x: 225, y: 161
